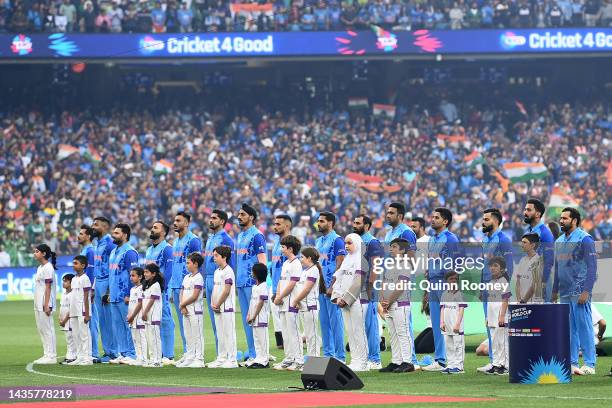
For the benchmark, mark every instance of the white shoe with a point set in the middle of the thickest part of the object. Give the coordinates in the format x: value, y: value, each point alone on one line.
x: 215, y: 364
x: 184, y: 364
x: 248, y: 362
x: 359, y: 367
x: 586, y: 370
x: 417, y: 367
x: 195, y: 364
x: 373, y: 365
x: 127, y: 360
x: 116, y: 360
x: 166, y: 361
x: 484, y: 369
x: 154, y: 365
x: 179, y: 361
x: 271, y: 357
x: 283, y: 365
x: 435, y: 366
x: 84, y: 362
x: 229, y: 364
x: 138, y: 363
x: 47, y: 360
x: 295, y: 367
x: 577, y: 371
x: 39, y: 359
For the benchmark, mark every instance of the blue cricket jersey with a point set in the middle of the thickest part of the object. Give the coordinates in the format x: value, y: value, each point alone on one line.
x: 546, y: 247
x: 575, y: 264
x: 444, y: 245
x: 161, y: 254
x: 181, y: 247
x: 330, y: 247
x: 250, y: 243
x: 277, y: 264
x: 214, y: 240
x: 89, y: 253
x: 402, y: 231
x: 498, y: 244
x: 122, y: 260
x: 102, y: 249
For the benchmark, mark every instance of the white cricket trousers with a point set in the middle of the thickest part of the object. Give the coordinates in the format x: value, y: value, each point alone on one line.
x: 139, y: 336
x: 46, y: 331
x: 499, y: 344
x: 71, y: 351
x: 154, y: 342
x: 354, y: 319
x: 398, y: 323
x: 292, y: 340
x: 310, y: 319
x: 455, y: 350
x: 275, y: 314
x: 226, y: 334
x: 194, y: 336
x: 81, y: 336
x: 262, y: 344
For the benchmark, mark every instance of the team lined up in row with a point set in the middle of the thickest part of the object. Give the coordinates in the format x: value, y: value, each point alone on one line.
x: 113, y: 259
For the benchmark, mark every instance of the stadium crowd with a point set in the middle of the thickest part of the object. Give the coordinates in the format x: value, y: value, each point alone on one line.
x: 295, y: 15
x: 291, y: 163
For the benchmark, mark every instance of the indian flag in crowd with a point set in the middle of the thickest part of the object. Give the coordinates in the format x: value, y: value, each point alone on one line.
x: 65, y: 150
x: 560, y: 199
x: 474, y: 159
x: 358, y: 103
x: 92, y: 154
x: 379, y: 110
x: 524, y: 171
x: 163, y: 166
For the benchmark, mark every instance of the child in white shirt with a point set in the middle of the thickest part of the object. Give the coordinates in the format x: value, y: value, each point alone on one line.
x: 192, y: 309
x: 151, y: 315
x: 259, y: 312
x: 64, y: 319
x: 134, y: 317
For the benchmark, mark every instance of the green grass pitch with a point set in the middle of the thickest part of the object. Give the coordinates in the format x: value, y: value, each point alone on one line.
x: 20, y: 345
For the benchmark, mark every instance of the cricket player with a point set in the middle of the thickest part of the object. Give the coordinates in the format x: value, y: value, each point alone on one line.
x: 217, y: 237
x: 532, y: 216
x: 160, y: 253
x: 250, y: 249
x: 575, y: 276
x: 184, y: 244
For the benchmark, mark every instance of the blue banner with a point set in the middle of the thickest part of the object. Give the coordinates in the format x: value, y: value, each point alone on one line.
x: 17, y: 283
x: 375, y: 42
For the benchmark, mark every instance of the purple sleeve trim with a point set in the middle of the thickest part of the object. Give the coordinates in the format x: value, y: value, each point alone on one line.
x: 360, y: 273
x: 197, y: 286
x: 86, y: 289
x: 263, y: 297
x: 312, y: 307
x: 506, y: 295
x: 140, y: 326
x: 463, y: 305
x: 229, y: 281
x: 156, y: 323
x: 48, y: 280
x: 154, y: 297
x: 293, y: 309
x: 310, y: 278
x: 295, y: 279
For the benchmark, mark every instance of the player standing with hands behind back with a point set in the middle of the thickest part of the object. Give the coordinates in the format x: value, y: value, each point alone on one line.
x: 44, y: 302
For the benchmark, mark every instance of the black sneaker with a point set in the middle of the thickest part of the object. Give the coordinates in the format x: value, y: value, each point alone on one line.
x: 347, y: 348
x: 501, y: 371
x: 492, y: 371
x: 383, y: 344
x: 389, y: 368
x: 404, y: 368
x: 67, y: 360
x: 258, y: 365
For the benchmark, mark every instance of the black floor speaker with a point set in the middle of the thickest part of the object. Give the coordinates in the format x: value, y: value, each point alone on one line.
x: 324, y: 373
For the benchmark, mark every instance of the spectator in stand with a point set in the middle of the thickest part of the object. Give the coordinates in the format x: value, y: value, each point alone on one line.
x: 591, y: 11
x: 172, y: 24
x: 577, y: 13
x: 348, y: 17
x: 158, y: 18
x: 35, y: 18
x: 541, y: 18
x: 555, y: 16
x: 524, y: 15
x: 68, y: 10
x: 185, y: 18
x: 473, y: 16
x: 212, y: 21
x: 116, y: 16
x: 88, y: 18
x: 606, y: 14
x: 335, y: 16
x: 308, y: 20
x: 19, y: 20
x: 488, y: 13
x: 456, y: 17
x: 280, y: 18
x: 103, y: 22
x: 321, y: 14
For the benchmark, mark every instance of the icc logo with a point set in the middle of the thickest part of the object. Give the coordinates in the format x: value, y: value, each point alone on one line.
x: 21, y: 45
x: 509, y: 40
